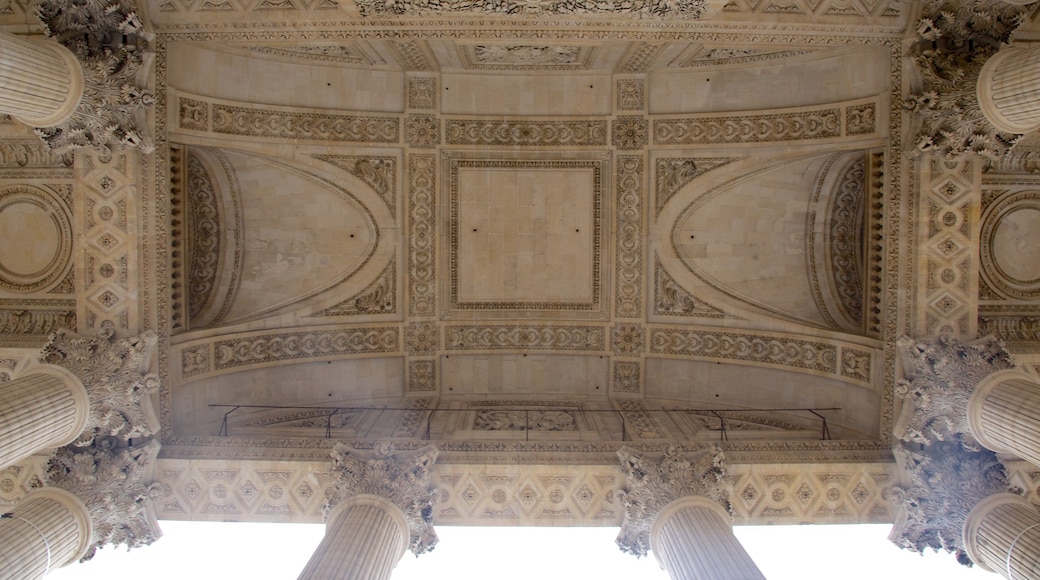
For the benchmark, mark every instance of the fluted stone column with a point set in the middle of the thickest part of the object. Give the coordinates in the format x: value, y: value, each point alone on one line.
x: 382, y: 505
x: 1002, y: 535
x: 48, y: 529
x: 677, y: 505
x: 1004, y: 414
x: 1009, y: 90
x: 41, y: 81
x: 365, y: 537
x: 44, y: 408
x: 693, y: 539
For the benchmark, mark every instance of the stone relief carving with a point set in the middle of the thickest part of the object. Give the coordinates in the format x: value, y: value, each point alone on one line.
x: 671, y: 299
x: 798, y: 126
x: 954, y: 41
x: 939, y: 377
x: 641, y: 57
x: 37, y: 322
x: 112, y: 483
x: 111, y: 111
x: 258, y: 122
x: 870, y: 12
x: 524, y: 336
x: 422, y: 376
x: 729, y: 55
x: 1002, y: 272
x: 631, y: 205
x: 526, y: 55
x: 1014, y: 330
x: 412, y: 55
x: 422, y: 131
x: 422, y: 93
x: 268, y: 348
x: 31, y: 153
x: 627, y: 377
x: 630, y: 132
x: 630, y: 94
x: 422, y: 266
x: 379, y: 297
x: 401, y: 477
x: 691, y: 9
x: 846, y: 238
x: 525, y: 133
x: 653, y: 480
x: 535, y: 420
x: 638, y: 423
x: 379, y: 173
x: 422, y: 338
x: 673, y: 174
x: 627, y: 339
x: 780, y: 351
x: 113, y: 372
x: 339, y: 53
x: 207, y: 233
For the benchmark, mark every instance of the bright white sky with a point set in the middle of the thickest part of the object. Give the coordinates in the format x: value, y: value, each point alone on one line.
x: 204, y: 551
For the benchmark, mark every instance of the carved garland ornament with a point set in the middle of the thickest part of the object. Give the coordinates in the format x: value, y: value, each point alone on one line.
x: 690, y: 9
x: 402, y: 477
x: 653, y: 480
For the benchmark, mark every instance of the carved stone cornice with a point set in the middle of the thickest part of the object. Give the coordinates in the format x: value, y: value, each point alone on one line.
x: 116, y: 486
x: 653, y: 480
x: 111, y: 111
x: 939, y: 377
x: 113, y: 371
x: 954, y: 41
x: 946, y: 480
x: 401, y: 477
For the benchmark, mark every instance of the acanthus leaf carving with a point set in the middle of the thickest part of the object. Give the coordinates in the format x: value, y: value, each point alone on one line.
x: 401, y: 477
x: 112, y: 371
x: 939, y: 377
x: 111, y: 482
x: 653, y: 480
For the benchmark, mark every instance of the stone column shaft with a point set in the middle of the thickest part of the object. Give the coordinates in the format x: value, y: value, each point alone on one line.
x: 1004, y: 414
x: 41, y: 82
x: 48, y: 407
x: 50, y: 529
x: 1009, y: 90
x: 693, y: 539
x: 1002, y: 524
x: 365, y: 538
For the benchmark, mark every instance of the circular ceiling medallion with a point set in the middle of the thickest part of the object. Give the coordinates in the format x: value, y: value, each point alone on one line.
x: 38, y: 238
x: 1011, y: 245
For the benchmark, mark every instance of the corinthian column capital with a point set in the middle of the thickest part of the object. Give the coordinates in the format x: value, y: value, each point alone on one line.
x: 400, y: 477
x: 946, y: 481
x: 117, y: 486
x: 654, y: 480
x: 114, y: 374
x: 939, y: 378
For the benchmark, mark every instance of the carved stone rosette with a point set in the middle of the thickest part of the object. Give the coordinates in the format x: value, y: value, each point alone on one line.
x: 653, y: 480
x: 401, y: 477
x: 940, y: 377
x: 113, y: 371
x: 111, y: 111
x: 116, y: 485
x: 947, y: 481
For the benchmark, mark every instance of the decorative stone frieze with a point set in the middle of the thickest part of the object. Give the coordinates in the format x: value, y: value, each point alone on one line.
x: 946, y: 480
x: 940, y: 377
x: 111, y: 111
x: 690, y: 9
x: 114, y: 373
x: 401, y: 477
x: 654, y: 480
x: 115, y: 486
x: 954, y: 41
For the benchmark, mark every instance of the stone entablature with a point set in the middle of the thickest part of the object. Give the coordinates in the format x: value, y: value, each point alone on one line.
x: 483, y: 494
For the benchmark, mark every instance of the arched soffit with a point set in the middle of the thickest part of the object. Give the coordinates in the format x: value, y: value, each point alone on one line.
x: 763, y: 78
x: 303, y: 383
x: 302, y: 235
x: 748, y: 235
x: 283, y: 76
x: 684, y: 383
